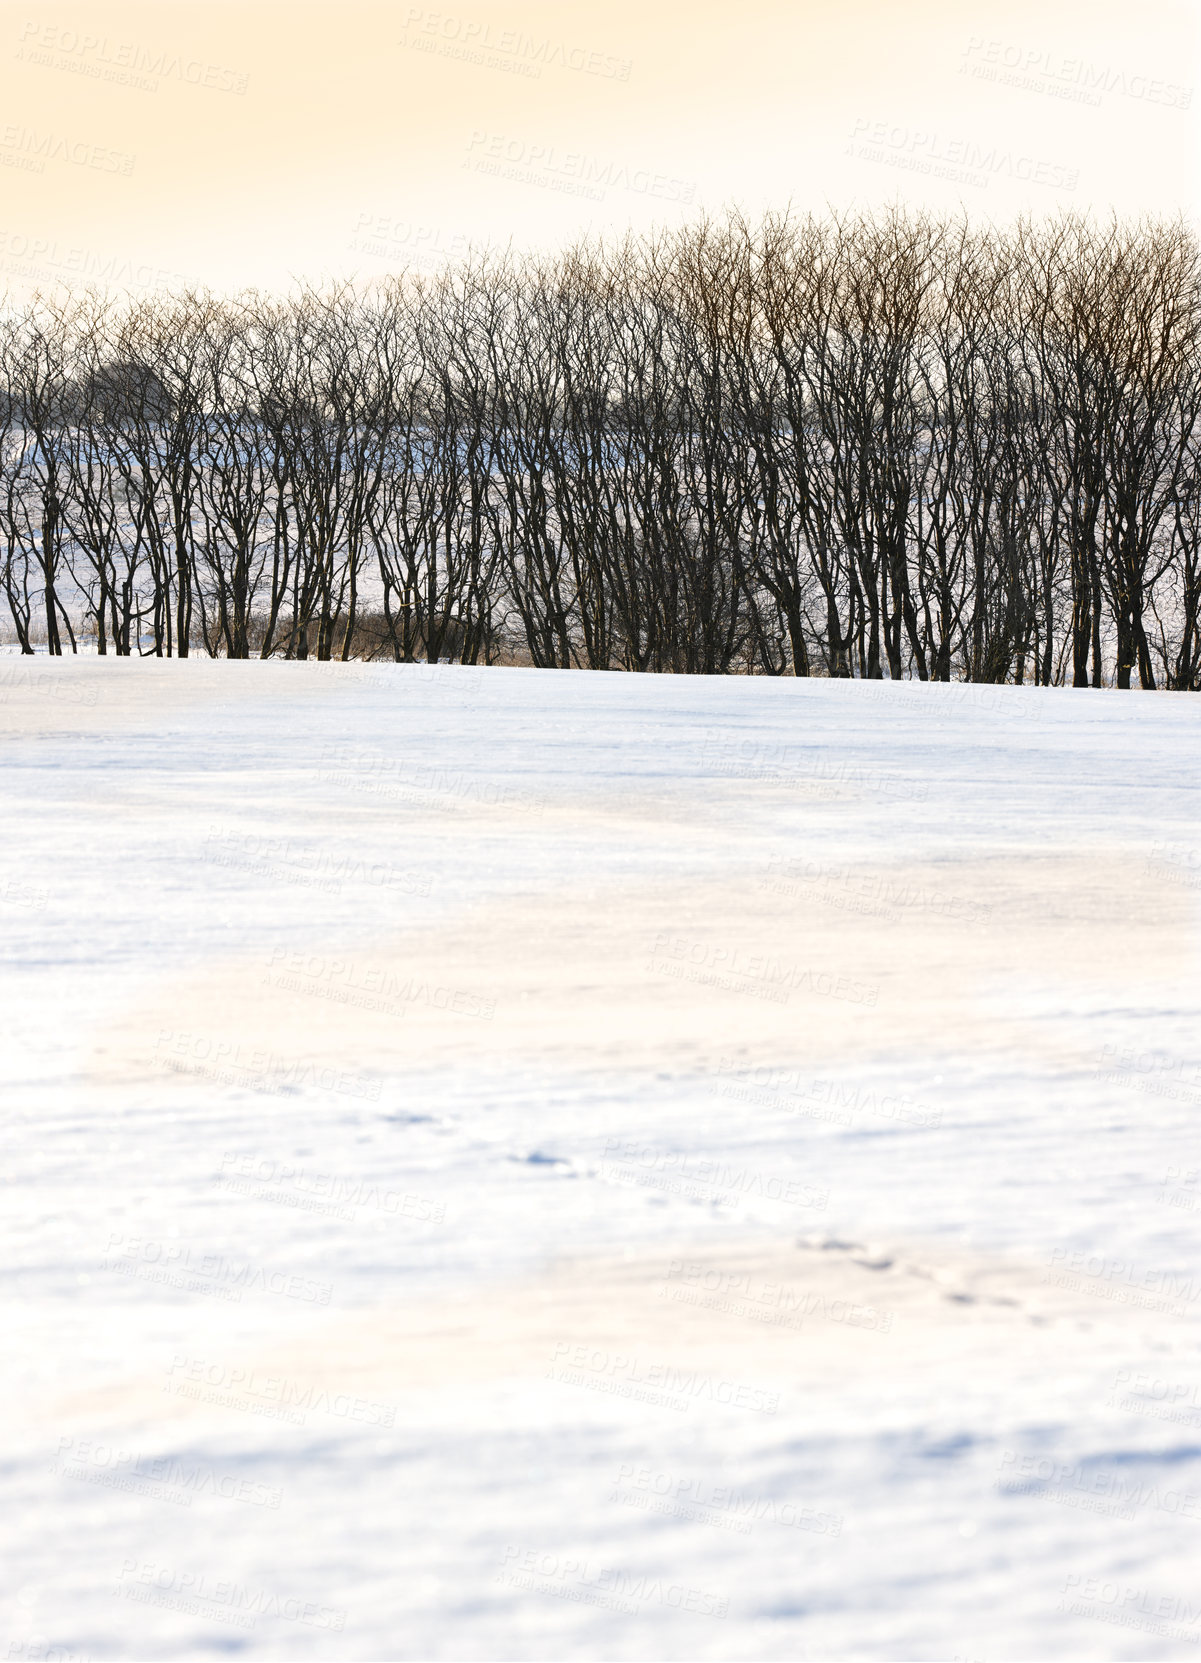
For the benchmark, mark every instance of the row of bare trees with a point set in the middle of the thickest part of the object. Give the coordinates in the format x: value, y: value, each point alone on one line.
x: 891, y: 446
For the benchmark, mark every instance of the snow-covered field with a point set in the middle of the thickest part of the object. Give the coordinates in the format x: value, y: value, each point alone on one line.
x: 515, y: 1164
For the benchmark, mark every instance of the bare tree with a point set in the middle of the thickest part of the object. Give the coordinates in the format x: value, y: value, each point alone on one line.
x: 872, y: 445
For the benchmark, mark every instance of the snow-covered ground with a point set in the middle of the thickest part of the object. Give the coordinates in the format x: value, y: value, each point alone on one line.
x: 515, y: 1164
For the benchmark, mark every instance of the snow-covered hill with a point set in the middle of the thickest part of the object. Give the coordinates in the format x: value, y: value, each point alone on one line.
x: 541, y: 1165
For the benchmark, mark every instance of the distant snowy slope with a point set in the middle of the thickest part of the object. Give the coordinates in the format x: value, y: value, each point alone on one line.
x: 532, y: 1164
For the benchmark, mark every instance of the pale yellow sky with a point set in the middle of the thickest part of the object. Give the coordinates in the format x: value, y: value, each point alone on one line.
x: 244, y: 144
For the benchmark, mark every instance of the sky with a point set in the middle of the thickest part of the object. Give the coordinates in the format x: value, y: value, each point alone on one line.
x: 149, y: 146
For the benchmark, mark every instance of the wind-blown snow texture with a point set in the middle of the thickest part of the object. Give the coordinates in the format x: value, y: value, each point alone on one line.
x: 513, y: 1164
